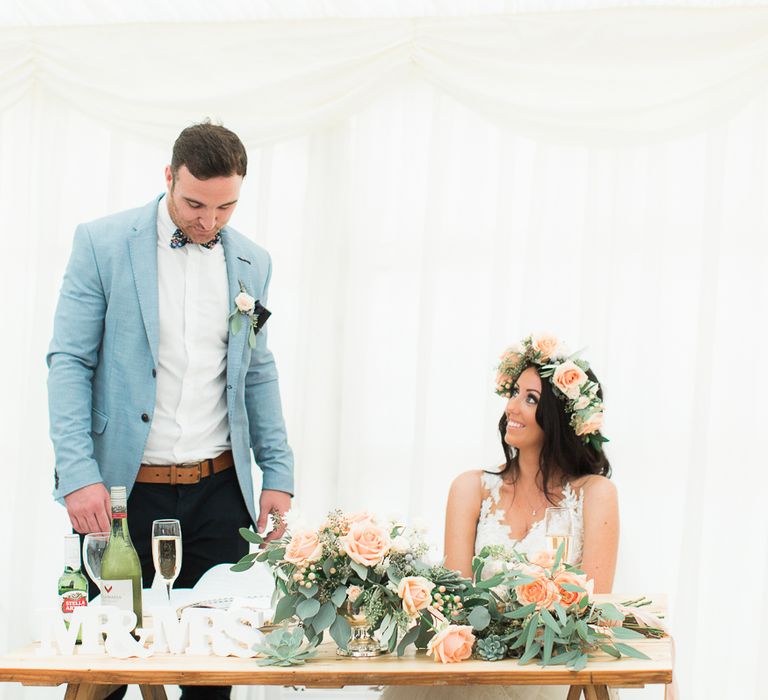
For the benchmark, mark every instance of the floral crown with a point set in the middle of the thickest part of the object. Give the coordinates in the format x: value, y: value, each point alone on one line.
x: 566, y: 373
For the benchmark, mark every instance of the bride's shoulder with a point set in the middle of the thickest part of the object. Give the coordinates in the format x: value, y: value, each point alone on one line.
x: 472, y: 483
x: 594, y: 486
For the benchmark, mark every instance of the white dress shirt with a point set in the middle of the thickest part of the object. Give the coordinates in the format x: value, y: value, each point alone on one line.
x: 190, y: 419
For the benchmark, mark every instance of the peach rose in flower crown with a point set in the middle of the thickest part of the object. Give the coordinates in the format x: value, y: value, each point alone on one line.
x: 365, y: 543
x: 570, y: 597
x: 541, y: 591
x: 416, y: 593
x: 546, y: 344
x: 453, y: 643
x: 590, y: 425
x: 304, y: 547
x: 568, y: 377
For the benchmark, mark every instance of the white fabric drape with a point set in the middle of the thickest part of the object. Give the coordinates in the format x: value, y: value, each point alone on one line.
x: 599, y: 76
x: 413, y: 238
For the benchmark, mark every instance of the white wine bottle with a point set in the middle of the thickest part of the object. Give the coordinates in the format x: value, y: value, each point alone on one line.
x: 120, y: 567
x: 73, y: 586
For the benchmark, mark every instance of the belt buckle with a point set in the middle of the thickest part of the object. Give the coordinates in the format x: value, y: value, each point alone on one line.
x: 187, y: 465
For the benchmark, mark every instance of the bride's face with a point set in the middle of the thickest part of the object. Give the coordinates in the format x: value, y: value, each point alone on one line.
x: 523, y: 432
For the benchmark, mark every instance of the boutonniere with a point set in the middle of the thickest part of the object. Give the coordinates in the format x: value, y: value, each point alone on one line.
x: 257, y: 315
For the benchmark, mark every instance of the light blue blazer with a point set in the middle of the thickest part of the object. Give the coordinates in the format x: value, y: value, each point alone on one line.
x: 105, y: 348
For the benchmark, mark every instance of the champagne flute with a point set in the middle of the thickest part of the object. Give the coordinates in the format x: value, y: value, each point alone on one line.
x: 558, y: 527
x: 166, y: 551
x: 94, y: 544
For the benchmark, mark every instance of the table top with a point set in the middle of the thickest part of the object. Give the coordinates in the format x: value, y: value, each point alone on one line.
x: 327, y: 670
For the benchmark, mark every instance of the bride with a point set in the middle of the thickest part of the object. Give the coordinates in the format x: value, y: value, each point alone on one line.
x: 550, y: 434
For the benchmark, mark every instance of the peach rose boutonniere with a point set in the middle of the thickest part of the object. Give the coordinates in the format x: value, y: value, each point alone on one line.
x: 366, y: 543
x: 452, y: 644
x: 416, y: 594
x: 303, y: 548
x: 256, y: 314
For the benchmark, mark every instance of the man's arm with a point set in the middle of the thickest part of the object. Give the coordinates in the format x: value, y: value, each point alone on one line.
x: 267, y: 430
x: 72, y: 358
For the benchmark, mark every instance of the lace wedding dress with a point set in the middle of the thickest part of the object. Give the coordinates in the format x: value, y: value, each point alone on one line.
x: 491, y: 530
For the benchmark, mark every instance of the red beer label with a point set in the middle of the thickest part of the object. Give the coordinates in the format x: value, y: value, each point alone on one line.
x: 72, y: 601
x: 119, y: 516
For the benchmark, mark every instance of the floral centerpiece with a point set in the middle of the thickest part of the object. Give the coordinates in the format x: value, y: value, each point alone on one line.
x: 354, y: 577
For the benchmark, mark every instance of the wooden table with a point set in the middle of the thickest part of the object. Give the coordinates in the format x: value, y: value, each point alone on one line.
x: 90, y: 677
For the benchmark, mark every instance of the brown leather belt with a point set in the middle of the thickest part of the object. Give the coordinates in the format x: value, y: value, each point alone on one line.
x: 189, y: 473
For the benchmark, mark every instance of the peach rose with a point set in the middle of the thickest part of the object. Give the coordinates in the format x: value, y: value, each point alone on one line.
x: 546, y: 344
x: 545, y: 559
x: 590, y: 425
x: 541, y: 591
x: 453, y: 643
x: 245, y: 302
x: 303, y: 548
x: 416, y: 593
x: 353, y: 593
x: 366, y: 543
x: 570, y: 597
x: 568, y: 377
x: 359, y: 517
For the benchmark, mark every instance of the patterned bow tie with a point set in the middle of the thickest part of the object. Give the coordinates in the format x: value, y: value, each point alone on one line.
x: 179, y: 240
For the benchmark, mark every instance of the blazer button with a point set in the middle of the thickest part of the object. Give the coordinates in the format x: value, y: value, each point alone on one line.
x: 145, y: 417
x: 154, y: 372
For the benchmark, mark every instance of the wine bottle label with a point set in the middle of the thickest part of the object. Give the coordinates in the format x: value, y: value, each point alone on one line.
x: 72, y: 600
x: 118, y: 593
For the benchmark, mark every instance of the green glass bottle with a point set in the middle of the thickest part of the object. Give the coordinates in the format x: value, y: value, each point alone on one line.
x: 120, y: 567
x: 73, y: 586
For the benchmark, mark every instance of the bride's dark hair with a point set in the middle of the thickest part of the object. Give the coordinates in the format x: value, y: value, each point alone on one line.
x: 563, y: 451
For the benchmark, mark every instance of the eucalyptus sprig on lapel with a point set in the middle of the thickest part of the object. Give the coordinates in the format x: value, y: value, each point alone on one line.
x: 245, y: 305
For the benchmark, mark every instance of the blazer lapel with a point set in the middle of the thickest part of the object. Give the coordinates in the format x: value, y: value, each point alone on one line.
x: 142, y: 247
x: 235, y: 274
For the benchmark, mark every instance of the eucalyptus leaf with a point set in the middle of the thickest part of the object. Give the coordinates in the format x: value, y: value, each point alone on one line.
x: 631, y: 651
x: 408, y: 638
x: 626, y: 633
x: 479, y: 618
x: 532, y: 627
x: 580, y: 662
x: 242, y: 565
x: 341, y: 632
x: 549, y: 621
x: 286, y: 608
x: 495, y: 580
x: 360, y: 570
x: 324, y: 617
x: 521, y: 612
x: 572, y: 587
x: 549, y: 641
x: 530, y: 653
x: 308, y: 608
x: 251, y: 536
x: 235, y: 324
x: 608, y: 649
x: 309, y: 592
x: 252, y: 338
x: 327, y: 566
x: 339, y: 596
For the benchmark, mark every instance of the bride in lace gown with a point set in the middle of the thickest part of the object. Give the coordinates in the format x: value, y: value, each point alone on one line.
x: 546, y: 464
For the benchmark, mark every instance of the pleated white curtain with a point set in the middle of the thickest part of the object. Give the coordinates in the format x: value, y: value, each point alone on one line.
x: 421, y: 217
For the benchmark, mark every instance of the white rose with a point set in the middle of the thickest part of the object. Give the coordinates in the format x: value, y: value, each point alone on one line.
x: 245, y: 302
x: 400, y: 544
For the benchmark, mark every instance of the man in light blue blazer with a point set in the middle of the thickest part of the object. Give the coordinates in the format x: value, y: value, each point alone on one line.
x: 158, y: 379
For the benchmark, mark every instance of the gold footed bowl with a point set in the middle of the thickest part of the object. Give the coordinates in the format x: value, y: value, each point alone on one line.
x: 362, y: 644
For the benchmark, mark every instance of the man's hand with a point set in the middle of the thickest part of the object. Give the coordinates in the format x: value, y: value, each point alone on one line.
x: 89, y: 509
x: 277, y: 502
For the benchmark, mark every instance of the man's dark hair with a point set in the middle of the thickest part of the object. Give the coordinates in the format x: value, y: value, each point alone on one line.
x: 563, y: 450
x: 209, y: 150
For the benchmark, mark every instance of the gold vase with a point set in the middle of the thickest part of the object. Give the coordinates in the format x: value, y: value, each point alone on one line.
x: 362, y: 644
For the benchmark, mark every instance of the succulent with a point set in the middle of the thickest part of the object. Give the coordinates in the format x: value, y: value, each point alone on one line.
x: 283, y: 648
x: 491, y: 648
